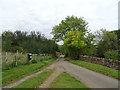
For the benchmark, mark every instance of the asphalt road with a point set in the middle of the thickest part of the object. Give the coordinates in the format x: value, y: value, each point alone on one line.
x: 89, y: 78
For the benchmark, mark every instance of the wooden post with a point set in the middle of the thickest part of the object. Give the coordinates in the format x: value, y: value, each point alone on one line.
x: 17, y: 52
x: 6, y: 57
x: 27, y: 59
x: 16, y: 58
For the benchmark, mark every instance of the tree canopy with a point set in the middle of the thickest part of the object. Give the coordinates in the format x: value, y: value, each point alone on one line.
x: 73, y: 32
x: 33, y: 42
x: 70, y: 23
x: 108, y: 44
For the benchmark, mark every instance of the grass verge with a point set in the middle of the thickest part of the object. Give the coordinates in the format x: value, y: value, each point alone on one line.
x: 35, y: 81
x: 14, y: 74
x: 64, y: 80
x: 98, y: 68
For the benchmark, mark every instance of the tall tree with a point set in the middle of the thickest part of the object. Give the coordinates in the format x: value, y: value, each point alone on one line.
x: 107, y: 41
x: 73, y: 32
x: 70, y: 23
x: 34, y: 42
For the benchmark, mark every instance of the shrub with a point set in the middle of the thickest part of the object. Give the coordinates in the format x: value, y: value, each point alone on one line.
x: 111, y: 54
x: 33, y: 61
x: 68, y: 59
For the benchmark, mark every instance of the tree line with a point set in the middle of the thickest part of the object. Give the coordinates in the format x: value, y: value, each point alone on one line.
x: 78, y: 40
x: 33, y: 42
x: 75, y: 35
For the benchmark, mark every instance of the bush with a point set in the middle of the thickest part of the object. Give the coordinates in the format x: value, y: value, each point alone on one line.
x: 8, y: 65
x: 45, y: 62
x: 33, y: 61
x: 111, y: 54
x: 67, y: 59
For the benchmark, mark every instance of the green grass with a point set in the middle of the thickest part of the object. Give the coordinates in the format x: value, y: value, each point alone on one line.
x: 35, y: 81
x: 14, y: 74
x: 98, y: 68
x: 64, y: 80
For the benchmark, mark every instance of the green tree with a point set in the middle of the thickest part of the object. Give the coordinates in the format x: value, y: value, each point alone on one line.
x: 78, y: 43
x: 34, y: 42
x: 73, y: 32
x: 7, y: 40
x: 111, y: 54
x: 70, y: 23
x: 107, y: 41
x: 74, y: 41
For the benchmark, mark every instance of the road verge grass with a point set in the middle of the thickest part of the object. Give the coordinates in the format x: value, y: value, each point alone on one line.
x: 36, y: 80
x: 14, y: 74
x: 64, y: 80
x: 98, y: 68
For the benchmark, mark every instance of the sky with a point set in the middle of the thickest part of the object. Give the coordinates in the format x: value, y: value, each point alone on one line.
x: 42, y: 15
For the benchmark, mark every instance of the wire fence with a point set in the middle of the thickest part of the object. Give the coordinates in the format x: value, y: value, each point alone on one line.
x: 10, y: 60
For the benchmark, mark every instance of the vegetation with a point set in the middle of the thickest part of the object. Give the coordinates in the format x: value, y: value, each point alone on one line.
x: 12, y: 60
x: 111, y: 54
x: 64, y: 80
x: 98, y: 68
x: 70, y: 23
x: 74, y: 33
x: 15, y: 74
x: 35, y: 81
x: 107, y: 44
x: 77, y: 39
x: 25, y: 42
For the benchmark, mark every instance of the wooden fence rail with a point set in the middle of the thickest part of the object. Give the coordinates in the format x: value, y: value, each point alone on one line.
x: 17, y: 59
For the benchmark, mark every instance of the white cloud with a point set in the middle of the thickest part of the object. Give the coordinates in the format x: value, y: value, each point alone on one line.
x: 42, y: 15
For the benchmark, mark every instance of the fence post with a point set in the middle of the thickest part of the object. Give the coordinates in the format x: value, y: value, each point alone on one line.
x: 16, y: 58
x: 6, y: 57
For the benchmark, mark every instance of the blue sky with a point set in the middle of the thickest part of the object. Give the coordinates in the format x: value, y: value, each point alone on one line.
x: 42, y: 15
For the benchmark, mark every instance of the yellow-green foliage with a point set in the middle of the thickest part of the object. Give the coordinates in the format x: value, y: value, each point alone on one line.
x: 75, y: 39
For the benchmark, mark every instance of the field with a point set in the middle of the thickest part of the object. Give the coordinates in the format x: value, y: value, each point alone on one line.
x: 16, y: 73
x: 11, y: 60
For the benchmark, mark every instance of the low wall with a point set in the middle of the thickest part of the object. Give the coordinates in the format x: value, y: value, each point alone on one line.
x: 115, y: 64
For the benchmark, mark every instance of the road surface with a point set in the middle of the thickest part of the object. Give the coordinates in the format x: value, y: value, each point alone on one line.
x: 90, y: 78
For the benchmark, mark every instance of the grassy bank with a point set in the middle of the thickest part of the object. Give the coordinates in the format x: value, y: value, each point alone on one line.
x: 64, y: 80
x: 98, y: 68
x: 35, y: 81
x: 15, y: 74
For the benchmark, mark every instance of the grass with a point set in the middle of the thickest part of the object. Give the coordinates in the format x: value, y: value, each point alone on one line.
x: 14, y: 74
x: 35, y: 81
x: 98, y: 68
x: 64, y: 80
x: 10, y: 62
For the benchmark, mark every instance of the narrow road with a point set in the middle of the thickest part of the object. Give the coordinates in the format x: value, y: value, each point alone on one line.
x: 90, y: 78
x: 47, y: 82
